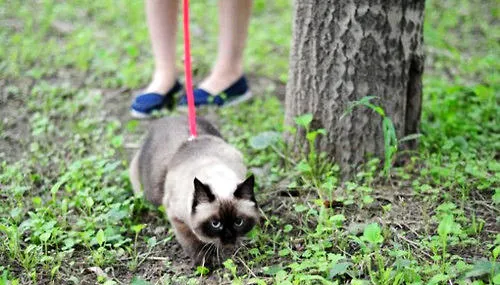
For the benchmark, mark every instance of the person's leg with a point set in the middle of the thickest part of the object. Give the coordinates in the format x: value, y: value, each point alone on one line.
x: 162, y: 24
x: 234, y: 18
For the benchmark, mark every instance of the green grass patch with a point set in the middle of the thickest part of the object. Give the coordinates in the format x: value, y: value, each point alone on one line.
x: 68, y: 72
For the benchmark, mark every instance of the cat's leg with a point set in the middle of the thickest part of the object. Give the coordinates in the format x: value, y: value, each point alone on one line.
x: 134, y: 174
x: 199, y: 252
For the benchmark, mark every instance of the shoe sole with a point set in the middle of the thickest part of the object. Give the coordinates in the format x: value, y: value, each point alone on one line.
x: 139, y: 115
x: 242, y: 98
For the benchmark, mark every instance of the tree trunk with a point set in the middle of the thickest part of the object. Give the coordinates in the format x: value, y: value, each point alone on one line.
x: 345, y: 50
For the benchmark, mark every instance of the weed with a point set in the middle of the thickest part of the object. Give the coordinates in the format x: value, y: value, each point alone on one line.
x: 314, y: 169
x: 391, y: 141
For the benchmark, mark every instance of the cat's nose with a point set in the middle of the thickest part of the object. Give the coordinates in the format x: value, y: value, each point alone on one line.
x: 229, y: 238
x: 228, y: 234
x: 229, y: 248
x: 229, y: 245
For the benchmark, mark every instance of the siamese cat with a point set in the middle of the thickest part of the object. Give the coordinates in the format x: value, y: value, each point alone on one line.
x: 200, y: 182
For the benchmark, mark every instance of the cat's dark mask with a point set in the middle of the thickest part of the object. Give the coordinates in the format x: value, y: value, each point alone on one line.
x: 224, y: 220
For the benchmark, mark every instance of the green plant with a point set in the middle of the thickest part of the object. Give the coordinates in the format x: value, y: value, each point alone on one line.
x: 314, y: 168
x: 391, y: 141
x: 312, y: 164
x: 135, y: 261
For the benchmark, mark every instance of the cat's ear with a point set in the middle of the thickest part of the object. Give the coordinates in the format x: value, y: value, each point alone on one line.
x: 245, y: 189
x: 202, y: 193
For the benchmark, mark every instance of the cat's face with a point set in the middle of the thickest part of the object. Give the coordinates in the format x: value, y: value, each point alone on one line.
x: 221, y: 222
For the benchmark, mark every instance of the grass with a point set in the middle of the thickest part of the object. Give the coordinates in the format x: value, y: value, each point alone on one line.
x: 68, y: 72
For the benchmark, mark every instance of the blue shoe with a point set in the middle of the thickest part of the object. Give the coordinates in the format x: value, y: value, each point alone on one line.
x: 145, y: 104
x: 234, y: 94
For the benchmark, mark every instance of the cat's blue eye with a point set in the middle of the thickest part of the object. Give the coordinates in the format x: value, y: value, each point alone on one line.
x: 216, y: 224
x: 238, y: 222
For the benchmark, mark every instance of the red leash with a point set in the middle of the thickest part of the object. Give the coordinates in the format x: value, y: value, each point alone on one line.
x: 188, y: 75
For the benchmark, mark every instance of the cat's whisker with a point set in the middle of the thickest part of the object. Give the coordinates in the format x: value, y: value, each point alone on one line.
x: 205, y: 249
x: 209, y: 250
x: 204, y: 246
x: 212, y: 248
x: 241, y: 245
x: 216, y: 254
x: 236, y: 251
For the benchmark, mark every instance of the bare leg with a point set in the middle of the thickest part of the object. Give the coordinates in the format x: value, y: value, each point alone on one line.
x: 162, y: 24
x: 234, y: 17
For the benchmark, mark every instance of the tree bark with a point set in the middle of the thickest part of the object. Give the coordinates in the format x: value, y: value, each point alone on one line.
x: 345, y: 50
